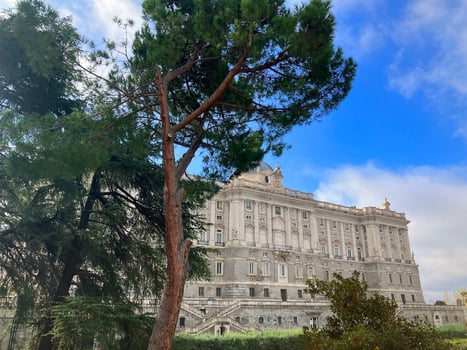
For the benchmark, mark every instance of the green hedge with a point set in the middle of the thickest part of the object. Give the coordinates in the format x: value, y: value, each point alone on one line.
x: 279, y: 340
x: 452, y: 331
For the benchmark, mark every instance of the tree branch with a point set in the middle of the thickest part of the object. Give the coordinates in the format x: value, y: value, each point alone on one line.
x: 220, y: 89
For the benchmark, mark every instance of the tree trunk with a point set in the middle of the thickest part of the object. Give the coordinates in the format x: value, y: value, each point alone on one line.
x: 177, y: 246
x: 71, y: 265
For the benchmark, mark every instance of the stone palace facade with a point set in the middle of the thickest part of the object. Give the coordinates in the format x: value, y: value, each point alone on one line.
x: 266, y: 242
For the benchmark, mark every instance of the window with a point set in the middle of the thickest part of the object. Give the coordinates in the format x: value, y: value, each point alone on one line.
x: 252, y: 292
x: 219, y: 217
x: 390, y: 278
x: 202, y: 236
x: 359, y: 253
x: 300, y: 293
x: 336, y: 250
x: 251, y: 268
x: 305, y: 215
x: 219, y: 239
x: 356, y: 228
x: 295, y: 320
x: 323, y: 248
x: 219, y: 268
x: 403, y: 298
x: 201, y: 291
x: 284, y: 294
x: 266, y: 292
x: 310, y: 272
x: 393, y: 298
x: 219, y: 205
x: 261, y: 320
x: 326, y: 275
x: 349, y: 252
x: 279, y: 320
x: 298, y: 271
x: 282, y: 270
x: 321, y: 222
x: 182, y: 322
x: 334, y: 224
x: 248, y: 205
x: 346, y: 226
x: 305, y: 226
x: 218, y: 292
x: 400, y: 279
x: 380, y: 228
x: 314, y: 322
x: 277, y: 210
x: 410, y: 280
x: 413, y: 298
x: 248, y: 217
x: 266, y: 269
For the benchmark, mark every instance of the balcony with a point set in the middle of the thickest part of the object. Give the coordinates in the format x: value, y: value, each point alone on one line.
x: 350, y: 258
x: 220, y: 244
x: 203, y: 242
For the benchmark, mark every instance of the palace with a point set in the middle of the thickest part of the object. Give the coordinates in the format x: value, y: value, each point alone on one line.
x: 266, y: 242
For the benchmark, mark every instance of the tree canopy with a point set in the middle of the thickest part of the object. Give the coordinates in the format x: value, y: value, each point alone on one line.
x: 365, y: 321
x: 225, y: 80
x: 37, y: 64
x: 81, y: 209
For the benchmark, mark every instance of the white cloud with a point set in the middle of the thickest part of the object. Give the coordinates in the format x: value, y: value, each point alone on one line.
x: 6, y: 4
x: 432, y: 36
x: 94, y: 19
x: 435, y: 200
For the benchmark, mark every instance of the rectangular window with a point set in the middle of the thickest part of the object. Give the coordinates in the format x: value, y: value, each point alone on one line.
x: 400, y: 279
x: 219, y: 268
x: 279, y: 320
x: 182, y: 322
x: 218, y: 292
x: 321, y: 222
x: 219, y: 205
x: 252, y: 292
x: 349, y: 252
x: 219, y: 238
x: 201, y: 291
x: 314, y: 322
x: 336, y: 251
x: 403, y: 298
x: 390, y: 278
x: 248, y: 217
x: 356, y: 228
x: 248, y: 205
x: 410, y: 280
x: 219, y: 217
x: 310, y: 272
x: 282, y: 271
x: 305, y: 215
x: 277, y: 210
x: 295, y: 320
x: 334, y: 224
x: 300, y: 293
x: 323, y: 249
x: 266, y: 292
x: 413, y: 298
x: 251, y: 268
x: 326, y: 275
x: 298, y: 271
x: 266, y: 269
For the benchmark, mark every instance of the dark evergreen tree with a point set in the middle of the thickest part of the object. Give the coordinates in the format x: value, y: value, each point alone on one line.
x: 226, y: 80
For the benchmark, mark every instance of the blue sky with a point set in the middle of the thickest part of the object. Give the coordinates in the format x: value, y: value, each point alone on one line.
x: 401, y: 133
